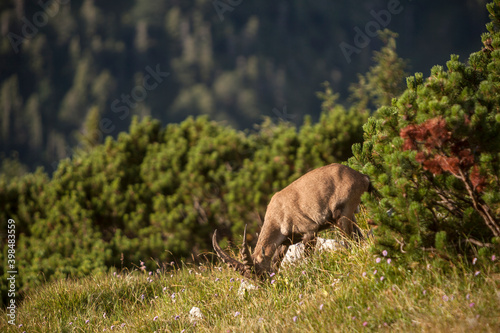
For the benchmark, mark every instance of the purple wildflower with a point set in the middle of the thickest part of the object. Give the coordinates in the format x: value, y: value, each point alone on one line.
x: 321, y: 307
x: 294, y: 319
x: 471, y: 304
x: 493, y: 258
x: 445, y: 298
x: 155, y: 318
x: 477, y: 273
x: 365, y: 323
x: 474, y: 261
x: 389, y: 261
x: 378, y: 260
x: 384, y: 253
x: 237, y: 313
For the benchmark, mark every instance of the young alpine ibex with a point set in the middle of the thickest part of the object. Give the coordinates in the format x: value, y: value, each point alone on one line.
x: 320, y: 199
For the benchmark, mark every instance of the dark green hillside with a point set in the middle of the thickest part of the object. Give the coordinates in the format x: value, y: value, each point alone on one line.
x: 235, y: 61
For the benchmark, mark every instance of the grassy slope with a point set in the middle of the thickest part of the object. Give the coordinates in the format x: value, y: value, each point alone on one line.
x: 328, y: 293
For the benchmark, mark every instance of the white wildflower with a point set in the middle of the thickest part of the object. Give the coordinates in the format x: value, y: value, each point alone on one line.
x: 245, y: 287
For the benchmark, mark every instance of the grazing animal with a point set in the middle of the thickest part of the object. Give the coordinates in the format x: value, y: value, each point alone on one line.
x: 322, y: 198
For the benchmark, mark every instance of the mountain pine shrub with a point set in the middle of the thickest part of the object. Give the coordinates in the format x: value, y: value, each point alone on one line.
x: 434, y: 156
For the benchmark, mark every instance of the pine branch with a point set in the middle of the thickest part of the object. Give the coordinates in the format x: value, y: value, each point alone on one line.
x: 480, y: 206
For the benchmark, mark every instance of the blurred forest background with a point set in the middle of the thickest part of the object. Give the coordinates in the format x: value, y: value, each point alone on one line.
x: 238, y: 61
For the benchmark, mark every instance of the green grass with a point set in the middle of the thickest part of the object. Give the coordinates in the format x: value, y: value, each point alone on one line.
x: 328, y: 293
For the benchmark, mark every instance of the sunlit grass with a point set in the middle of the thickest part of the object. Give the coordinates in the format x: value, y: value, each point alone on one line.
x: 348, y: 290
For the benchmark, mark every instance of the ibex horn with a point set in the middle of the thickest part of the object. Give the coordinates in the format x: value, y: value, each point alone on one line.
x: 246, y: 257
x: 244, y: 269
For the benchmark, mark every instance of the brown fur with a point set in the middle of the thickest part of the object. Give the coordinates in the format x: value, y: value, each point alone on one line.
x: 322, y: 198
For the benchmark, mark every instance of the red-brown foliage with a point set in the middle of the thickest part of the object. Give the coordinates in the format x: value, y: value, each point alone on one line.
x: 450, y: 164
x: 437, y: 134
x: 439, y: 152
x: 478, y: 181
x: 432, y: 133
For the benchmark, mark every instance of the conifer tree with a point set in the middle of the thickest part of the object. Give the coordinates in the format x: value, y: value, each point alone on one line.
x: 384, y: 80
x: 90, y: 135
